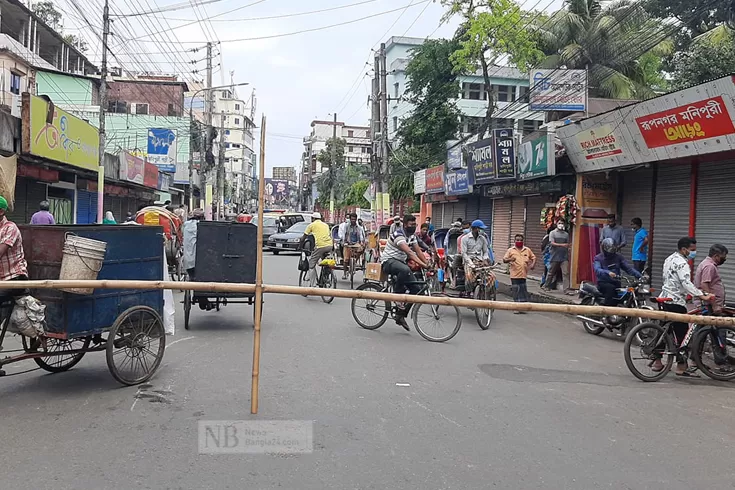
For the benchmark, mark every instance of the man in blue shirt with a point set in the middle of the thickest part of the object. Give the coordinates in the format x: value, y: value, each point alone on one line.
x: 609, y: 265
x: 640, y: 245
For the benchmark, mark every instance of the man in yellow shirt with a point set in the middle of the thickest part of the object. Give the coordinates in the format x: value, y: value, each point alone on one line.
x: 323, y: 243
x: 521, y: 260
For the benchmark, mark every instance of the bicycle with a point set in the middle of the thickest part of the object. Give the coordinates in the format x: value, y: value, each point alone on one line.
x: 484, y: 290
x: 355, y: 264
x: 325, y: 279
x: 421, y: 313
x: 658, y: 341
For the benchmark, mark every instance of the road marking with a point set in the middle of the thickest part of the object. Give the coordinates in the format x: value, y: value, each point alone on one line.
x: 403, y: 384
x: 177, y: 341
x: 431, y: 411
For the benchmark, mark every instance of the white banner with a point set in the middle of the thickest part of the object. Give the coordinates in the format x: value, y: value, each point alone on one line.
x: 558, y: 90
x: 419, y: 182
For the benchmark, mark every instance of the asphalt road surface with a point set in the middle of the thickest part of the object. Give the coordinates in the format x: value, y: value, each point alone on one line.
x: 534, y: 402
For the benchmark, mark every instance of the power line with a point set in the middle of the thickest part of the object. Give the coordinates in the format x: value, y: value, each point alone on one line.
x: 170, y: 8
x: 284, y: 16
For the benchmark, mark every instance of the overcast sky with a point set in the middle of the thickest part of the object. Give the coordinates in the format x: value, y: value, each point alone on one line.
x: 297, y: 78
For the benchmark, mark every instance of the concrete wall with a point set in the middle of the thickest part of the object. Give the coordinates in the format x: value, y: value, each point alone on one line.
x: 67, y: 90
x: 158, y: 96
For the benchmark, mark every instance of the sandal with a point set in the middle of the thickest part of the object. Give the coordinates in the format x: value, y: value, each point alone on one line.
x: 691, y: 372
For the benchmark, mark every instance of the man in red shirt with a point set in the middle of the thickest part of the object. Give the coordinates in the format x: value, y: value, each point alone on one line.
x: 13, y: 264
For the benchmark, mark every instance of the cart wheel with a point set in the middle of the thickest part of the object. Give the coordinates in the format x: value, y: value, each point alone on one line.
x: 187, y: 308
x: 135, y: 345
x: 58, y: 361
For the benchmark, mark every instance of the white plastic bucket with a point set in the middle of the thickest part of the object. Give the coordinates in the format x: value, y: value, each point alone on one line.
x: 82, y: 260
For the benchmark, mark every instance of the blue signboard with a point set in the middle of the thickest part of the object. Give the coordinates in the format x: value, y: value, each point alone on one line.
x: 481, y: 162
x: 457, y: 183
x: 162, y: 149
x: 505, y: 154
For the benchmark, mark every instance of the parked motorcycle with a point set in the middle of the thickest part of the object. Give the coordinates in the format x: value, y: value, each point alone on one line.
x: 635, y: 294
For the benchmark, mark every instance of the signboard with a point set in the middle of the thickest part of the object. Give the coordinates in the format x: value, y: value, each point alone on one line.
x: 481, y: 161
x: 440, y: 197
x: 599, y: 142
x: 454, y: 155
x: 703, y: 119
x: 132, y: 169
x: 505, y: 154
x: 536, y: 157
x: 558, y: 90
x: 366, y: 215
x: 164, y: 181
x: 162, y: 149
x: 419, y: 182
x: 523, y: 188
x: 52, y: 133
x: 277, y: 191
x: 435, y: 180
x: 457, y: 183
x: 150, y: 176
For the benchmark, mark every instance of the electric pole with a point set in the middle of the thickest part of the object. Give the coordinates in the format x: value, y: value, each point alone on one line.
x: 191, y: 155
x: 103, y: 108
x: 374, y: 130
x: 331, y: 168
x: 383, y: 132
x: 221, y: 168
x: 209, y: 107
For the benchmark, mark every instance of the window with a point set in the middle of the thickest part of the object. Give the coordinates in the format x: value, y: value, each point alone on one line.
x: 14, y: 83
x: 141, y: 109
x: 504, y: 93
x: 529, y: 126
x: 523, y: 94
x: 350, y: 133
x: 473, y: 91
x: 396, y: 88
x: 237, y: 121
x: 350, y: 149
x: 502, y: 123
x: 171, y: 110
x: 117, y: 107
x: 237, y: 107
x: 363, y: 150
x: 395, y: 123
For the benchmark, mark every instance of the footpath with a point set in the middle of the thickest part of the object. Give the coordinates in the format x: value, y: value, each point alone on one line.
x: 537, y: 295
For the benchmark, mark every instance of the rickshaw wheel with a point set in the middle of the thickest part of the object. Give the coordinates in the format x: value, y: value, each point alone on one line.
x: 187, y: 308
x: 135, y: 345
x: 57, y: 363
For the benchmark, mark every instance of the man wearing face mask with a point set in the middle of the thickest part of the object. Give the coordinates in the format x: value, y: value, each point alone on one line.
x: 475, y: 252
x: 521, y: 260
x: 609, y: 265
x: 677, y: 284
x: 559, y: 243
x: 707, y: 278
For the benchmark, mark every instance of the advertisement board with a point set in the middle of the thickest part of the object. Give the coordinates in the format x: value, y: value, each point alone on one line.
x: 505, y: 153
x: 536, y: 156
x: 132, y: 169
x: 150, y: 176
x: 457, y: 183
x: 162, y: 149
x: 419, y: 182
x: 277, y: 191
x: 454, y: 155
x: 599, y: 142
x: 435, y: 180
x: 558, y: 90
x: 481, y: 161
x: 52, y: 133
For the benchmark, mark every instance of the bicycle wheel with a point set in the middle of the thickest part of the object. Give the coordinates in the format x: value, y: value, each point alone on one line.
x: 61, y: 356
x: 375, y: 312
x: 329, y: 281
x: 484, y: 316
x: 713, y: 355
x: 436, y: 323
x: 654, y: 342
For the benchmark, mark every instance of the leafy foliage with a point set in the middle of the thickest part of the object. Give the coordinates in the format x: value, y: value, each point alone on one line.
x: 46, y: 11
x: 709, y: 57
x: 77, y: 42
x: 696, y: 19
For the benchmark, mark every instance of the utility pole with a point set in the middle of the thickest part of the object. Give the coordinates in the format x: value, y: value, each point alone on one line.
x: 221, y: 169
x: 209, y: 107
x: 374, y: 130
x: 103, y: 108
x: 191, y: 155
x: 331, y: 168
x: 384, y: 133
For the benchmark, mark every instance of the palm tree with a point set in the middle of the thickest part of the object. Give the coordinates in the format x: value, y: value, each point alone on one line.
x: 608, y: 41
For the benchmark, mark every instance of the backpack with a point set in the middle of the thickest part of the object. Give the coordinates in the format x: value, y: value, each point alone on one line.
x: 304, y: 262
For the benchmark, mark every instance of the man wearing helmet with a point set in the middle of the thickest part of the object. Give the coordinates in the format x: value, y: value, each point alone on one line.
x: 609, y: 265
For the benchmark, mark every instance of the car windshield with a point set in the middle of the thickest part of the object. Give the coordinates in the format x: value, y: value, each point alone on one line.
x: 299, y: 227
x: 268, y: 221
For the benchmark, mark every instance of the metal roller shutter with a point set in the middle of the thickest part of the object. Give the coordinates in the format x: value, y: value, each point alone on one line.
x: 86, y: 207
x: 517, y: 217
x: 18, y: 213
x: 637, y: 192
x: 671, y: 220
x: 473, y: 204
x: 535, y: 231
x: 35, y: 193
x: 437, y: 216
x: 460, y: 209
x: 715, y: 221
x: 485, y: 211
x: 501, y: 228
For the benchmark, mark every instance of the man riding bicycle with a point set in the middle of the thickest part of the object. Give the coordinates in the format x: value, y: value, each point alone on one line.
x: 322, y: 241
x: 353, y: 242
x: 475, y: 252
x: 401, y: 246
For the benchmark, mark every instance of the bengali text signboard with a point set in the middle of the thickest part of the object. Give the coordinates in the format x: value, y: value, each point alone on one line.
x: 457, y: 183
x: 505, y: 154
x: 558, y: 90
x: 481, y: 161
x: 435, y: 180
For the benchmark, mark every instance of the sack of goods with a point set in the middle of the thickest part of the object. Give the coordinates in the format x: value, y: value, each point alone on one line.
x: 28, y: 318
x: 304, y: 262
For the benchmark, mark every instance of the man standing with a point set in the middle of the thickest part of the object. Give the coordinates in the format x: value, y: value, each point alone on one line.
x: 707, y: 278
x: 354, y: 241
x: 322, y: 241
x: 559, y: 260
x: 475, y: 252
x: 43, y: 217
x: 431, y: 227
x: 521, y: 260
x: 640, y: 245
x: 13, y: 266
x: 614, y: 232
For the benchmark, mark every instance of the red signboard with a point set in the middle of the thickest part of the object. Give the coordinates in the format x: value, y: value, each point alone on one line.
x: 435, y: 179
x: 697, y: 121
x: 150, y: 175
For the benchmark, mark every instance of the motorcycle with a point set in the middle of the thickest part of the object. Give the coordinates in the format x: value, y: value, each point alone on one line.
x: 635, y: 294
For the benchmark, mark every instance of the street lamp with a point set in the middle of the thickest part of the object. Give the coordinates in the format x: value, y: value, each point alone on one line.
x: 191, y: 147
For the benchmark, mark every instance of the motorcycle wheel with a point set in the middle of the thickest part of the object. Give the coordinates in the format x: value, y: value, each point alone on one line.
x: 591, y: 327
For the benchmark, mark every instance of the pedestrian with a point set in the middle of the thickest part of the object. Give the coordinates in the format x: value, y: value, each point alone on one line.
x: 521, y: 260
x: 707, y: 278
x: 431, y: 227
x: 109, y: 219
x: 130, y: 217
x: 13, y: 265
x: 640, y: 245
x: 190, y: 229
x: 559, y: 248
x: 43, y: 216
x: 395, y: 225
x: 614, y: 231
x: 547, y: 281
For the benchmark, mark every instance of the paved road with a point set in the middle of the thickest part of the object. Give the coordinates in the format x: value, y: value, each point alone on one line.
x: 532, y: 403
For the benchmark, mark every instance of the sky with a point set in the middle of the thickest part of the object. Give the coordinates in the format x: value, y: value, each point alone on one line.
x: 296, y: 78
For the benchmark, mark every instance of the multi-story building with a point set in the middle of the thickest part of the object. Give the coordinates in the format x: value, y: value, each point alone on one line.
x: 509, y: 86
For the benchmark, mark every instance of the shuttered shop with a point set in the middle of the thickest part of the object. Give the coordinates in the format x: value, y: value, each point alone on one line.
x: 671, y: 218
x: 485, y: 211
x: 637, y: 195
x: 517, y: 216
x: 86, y: 207
x: 28, y: 195
x: 535, y: 231
x: 715, y: 218
x: 501, y: 227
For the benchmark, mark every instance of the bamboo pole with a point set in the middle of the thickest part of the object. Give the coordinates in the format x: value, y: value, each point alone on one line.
x: 342, y: 293
x: 259, y: 276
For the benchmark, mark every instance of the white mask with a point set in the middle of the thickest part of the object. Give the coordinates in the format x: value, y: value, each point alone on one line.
x: 560, y: 226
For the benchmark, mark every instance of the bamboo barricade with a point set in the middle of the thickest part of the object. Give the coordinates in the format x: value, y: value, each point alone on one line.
x: 255, y: 384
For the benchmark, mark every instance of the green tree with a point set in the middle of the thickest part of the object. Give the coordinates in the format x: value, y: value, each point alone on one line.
x: 609, y: 41
x: 46, y: 11
x: 692, y: 15
x: 354, y: 195
x: 711, y: 55
x: 77, y: 42
x: 492, y: 31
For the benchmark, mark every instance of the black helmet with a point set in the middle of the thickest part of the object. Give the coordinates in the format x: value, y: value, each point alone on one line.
x: 608, y: 245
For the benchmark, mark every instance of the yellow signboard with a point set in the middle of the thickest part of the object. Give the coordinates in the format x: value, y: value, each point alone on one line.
x: 60, y: 136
